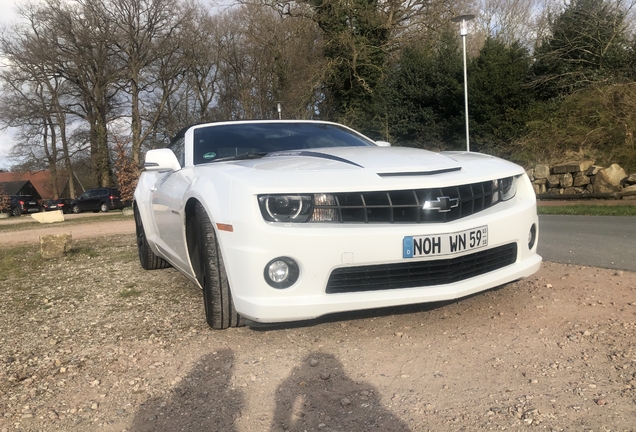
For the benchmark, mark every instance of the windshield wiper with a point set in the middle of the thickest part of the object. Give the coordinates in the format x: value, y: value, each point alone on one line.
x: 242, y: 156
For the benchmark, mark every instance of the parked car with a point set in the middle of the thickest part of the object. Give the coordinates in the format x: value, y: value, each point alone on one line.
x: 99, y: 199
x: 23, y: 204
x: 63, y: 204
x: 290, y: 220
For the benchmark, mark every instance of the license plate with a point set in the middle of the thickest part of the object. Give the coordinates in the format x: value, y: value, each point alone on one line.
x: 445, y: 244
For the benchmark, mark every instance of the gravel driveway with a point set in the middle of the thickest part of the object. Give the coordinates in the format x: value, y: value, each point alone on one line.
x: 91, y: 342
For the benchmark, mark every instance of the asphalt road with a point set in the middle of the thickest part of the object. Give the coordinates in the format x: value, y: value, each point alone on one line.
x: 598, y: 241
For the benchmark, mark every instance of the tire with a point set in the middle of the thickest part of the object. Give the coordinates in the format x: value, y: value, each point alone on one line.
x: 75, y: 209
x: 147, y: 258
x: 104, y: 208
x: 16, y: 212
x: 217, y: 297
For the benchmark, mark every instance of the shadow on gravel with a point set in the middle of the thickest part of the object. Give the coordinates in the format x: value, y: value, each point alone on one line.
x: 318, y: 394
x: 202, y: 401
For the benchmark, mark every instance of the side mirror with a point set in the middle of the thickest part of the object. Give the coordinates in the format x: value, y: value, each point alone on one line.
x: 161, y: 160
x: 383, y: 144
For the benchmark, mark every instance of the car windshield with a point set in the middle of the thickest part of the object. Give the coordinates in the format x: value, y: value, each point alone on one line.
x: 243, y: 141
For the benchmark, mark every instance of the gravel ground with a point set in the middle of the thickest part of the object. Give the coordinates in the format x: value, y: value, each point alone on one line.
x: 91, y: 342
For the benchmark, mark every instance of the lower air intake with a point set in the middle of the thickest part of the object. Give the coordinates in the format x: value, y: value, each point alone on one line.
x: 420, y: 273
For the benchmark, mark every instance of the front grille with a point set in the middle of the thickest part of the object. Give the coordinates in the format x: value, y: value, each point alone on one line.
x: 407, y: 206
x: 420, y: 273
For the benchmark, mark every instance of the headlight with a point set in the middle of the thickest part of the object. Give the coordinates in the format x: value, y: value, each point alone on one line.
x: 299, y: 208
x: 285, y: 208
x: 506, y: 188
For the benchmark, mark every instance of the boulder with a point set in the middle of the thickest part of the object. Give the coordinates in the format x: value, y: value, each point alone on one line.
x: 566, y: 180
x: 530, y: 173
x: 541, y: 171
x: 539, y: 188
x: 49, y: 217
x: 608, y: 180
x: 629, y: 192
x: 631, y: 179
x: 580, y: 180
x: 553, y: 180
x: 55, y: 245
x: 593, y: 170
x: 572, y: 167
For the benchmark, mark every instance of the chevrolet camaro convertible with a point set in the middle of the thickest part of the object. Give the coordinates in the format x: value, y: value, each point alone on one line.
x: 290, y: 220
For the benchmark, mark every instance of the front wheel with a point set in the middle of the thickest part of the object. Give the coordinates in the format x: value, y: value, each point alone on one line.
x: 217, y: 298
x: 147, y: 258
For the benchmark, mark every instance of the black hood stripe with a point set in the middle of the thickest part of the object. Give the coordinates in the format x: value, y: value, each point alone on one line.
x: 420, y: 173
x: 314, y: 154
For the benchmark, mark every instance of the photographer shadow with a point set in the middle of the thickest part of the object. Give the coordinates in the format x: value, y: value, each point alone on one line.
x: 193, y: 403
x: 318, y: 395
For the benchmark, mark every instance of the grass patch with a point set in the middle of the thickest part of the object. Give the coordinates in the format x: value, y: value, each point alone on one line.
x: 588, y: 210
x: 83, y: 252
x: 18, y: 260
x: 129, y: 292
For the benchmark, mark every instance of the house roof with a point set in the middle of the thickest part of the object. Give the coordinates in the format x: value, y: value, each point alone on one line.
x: 20, y: 187
x: 41, y: 180
x: 13, y: 187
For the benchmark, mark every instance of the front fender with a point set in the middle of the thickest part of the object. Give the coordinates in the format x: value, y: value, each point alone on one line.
x: 142, y: 201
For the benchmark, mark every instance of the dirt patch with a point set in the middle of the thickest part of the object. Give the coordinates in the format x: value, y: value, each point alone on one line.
x: 91, y: 342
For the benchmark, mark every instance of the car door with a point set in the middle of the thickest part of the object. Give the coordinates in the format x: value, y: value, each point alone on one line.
x: 169, y: 215
x: 98, y: 198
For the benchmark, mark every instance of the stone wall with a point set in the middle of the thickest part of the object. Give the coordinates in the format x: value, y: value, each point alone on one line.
x: 583, y: 179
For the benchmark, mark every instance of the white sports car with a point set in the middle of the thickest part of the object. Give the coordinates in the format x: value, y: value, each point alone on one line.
x: 291, y: 220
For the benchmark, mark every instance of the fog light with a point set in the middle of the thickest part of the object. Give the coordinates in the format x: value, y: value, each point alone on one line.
x: 278, y: 271
x: 532, y: 236
x: 281, y: 272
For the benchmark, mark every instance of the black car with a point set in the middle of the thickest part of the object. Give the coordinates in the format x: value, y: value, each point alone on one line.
x: 100, y: 199
x: 63, y: 204
x: 23, y: 204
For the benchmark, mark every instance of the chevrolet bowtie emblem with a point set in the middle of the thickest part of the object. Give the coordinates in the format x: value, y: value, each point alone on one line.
x: 441, y: 204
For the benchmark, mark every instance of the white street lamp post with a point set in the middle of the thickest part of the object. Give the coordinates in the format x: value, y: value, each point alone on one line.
x: 463, y: 31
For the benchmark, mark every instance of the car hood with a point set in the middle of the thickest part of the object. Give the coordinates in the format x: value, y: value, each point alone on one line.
x: 380, y: 160
x: 348, y: 168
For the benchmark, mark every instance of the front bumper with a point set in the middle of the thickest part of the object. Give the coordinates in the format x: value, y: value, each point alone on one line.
x: 319, y: 249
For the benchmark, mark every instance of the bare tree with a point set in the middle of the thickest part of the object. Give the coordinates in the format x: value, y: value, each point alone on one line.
x: 266, y: 58
x: 147, y: 33
x: 510, y: 21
